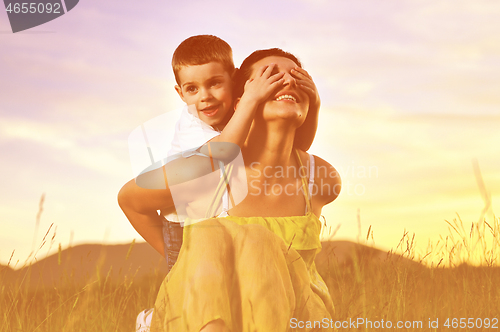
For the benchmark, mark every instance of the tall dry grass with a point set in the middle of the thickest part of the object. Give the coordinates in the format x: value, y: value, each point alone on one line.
x: 458, y: 277
x: 100, y: 305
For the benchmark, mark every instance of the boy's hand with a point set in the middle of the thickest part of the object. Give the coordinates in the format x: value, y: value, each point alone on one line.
x: 263, y: 85
x: 304, y: 135
x: 305, y: 82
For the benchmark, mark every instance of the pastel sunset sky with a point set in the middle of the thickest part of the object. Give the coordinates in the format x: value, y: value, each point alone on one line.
x: 410, y: 96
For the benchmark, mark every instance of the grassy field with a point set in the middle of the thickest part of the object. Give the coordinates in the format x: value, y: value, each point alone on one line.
x: 99, y: 306
x: 458, y: 278
x: 436, y: 289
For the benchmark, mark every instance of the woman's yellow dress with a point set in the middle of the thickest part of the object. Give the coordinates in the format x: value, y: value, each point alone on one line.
x: 254, y: 273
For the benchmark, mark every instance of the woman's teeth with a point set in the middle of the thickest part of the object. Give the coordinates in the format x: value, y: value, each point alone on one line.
x: 286, y: 97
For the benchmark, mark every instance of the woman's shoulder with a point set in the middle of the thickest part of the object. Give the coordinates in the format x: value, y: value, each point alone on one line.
x: 327, y: 182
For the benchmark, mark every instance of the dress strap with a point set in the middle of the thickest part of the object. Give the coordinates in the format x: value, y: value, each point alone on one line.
x: 305, y: 187
x: 311, y: 174
x: 222, y: 195
x: 228, y: 196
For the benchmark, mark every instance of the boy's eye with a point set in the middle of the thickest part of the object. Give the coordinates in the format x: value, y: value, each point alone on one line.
x: 216, y: 83
x: 191, y: 89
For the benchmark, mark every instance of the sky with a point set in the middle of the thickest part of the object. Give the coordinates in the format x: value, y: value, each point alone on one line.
x: 409, y: 102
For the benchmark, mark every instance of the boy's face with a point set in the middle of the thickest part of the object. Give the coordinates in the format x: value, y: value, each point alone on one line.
x: 209, y: 88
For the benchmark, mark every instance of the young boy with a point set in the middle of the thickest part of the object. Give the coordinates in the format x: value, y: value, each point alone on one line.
x: 203, y: 69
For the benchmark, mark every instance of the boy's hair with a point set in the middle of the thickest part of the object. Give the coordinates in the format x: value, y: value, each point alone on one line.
x: 200, y: 50
x: 243, y: 74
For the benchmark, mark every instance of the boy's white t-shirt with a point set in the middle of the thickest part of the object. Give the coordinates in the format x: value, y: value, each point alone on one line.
x: 202, y: 196
x: 190, y: 134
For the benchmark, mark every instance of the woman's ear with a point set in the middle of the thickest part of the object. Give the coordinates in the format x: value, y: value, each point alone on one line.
x: 179, y: 92
x: 236, y: 103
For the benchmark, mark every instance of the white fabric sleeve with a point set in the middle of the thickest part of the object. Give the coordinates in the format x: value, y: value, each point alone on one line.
x: 190, y: 134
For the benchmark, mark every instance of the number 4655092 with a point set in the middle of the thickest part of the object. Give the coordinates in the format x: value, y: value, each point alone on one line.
x: 34, y: 7
x: 471, y: 323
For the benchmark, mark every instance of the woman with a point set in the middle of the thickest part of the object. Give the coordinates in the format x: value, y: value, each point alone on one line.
x: 253, y: 268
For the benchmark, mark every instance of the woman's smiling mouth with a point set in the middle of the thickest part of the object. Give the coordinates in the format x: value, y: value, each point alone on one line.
x: 287, y: 96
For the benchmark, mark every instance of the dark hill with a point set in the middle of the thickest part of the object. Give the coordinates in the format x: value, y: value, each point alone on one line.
x: 78, y: 265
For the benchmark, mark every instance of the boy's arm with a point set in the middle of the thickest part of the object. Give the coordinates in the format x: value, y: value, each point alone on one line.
x: 305, y: 133
x: 256, y: 90
x: 181, y: 170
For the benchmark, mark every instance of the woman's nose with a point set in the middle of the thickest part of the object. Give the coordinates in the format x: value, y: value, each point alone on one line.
x: 289, y: 80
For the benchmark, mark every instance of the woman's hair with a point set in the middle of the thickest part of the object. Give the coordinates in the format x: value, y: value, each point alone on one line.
x: 243, y: 74
x: 200, y: 50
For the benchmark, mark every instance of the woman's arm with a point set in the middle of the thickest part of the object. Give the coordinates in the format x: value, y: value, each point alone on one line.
x: 327, y: 184
x: 141, y: 198
x: 140, y: 206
